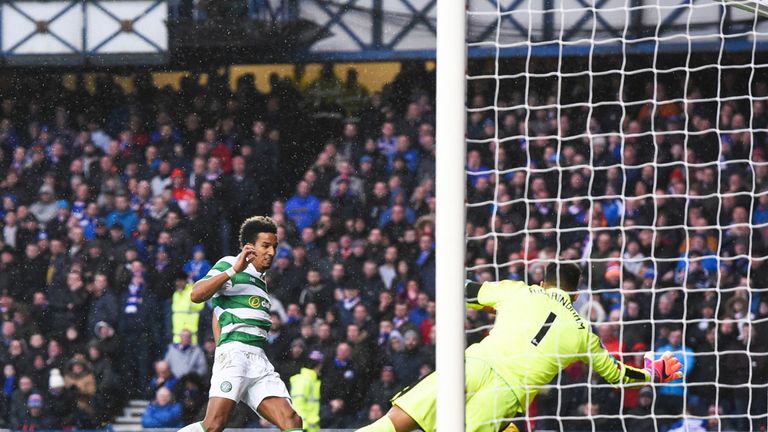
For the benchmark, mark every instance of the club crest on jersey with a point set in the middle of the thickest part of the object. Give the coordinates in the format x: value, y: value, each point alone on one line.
x: 226, y: 386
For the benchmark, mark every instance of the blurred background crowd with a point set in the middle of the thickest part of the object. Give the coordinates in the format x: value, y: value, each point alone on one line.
x: 115, y: 202
x: 659, y: 193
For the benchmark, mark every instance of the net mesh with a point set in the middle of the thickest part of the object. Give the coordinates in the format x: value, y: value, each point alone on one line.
x: 628, y: 137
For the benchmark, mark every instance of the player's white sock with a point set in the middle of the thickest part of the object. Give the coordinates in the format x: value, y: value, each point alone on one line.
x: 383, y: 424
x: 194, y: 427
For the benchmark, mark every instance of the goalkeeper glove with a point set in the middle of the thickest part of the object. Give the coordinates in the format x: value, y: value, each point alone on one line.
x: 665, y: 369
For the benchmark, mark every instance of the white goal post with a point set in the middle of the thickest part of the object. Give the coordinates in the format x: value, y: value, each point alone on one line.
x: 449, y: 227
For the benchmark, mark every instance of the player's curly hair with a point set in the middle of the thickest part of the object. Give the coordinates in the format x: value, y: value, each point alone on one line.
x: 563, y: 275
x: 252, y: 226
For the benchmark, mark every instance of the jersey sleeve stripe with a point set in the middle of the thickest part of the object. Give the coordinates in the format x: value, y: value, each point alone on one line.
x: 221, y: 266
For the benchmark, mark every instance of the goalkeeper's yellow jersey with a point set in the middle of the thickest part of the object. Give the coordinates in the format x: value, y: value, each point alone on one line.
x: 538, y: 333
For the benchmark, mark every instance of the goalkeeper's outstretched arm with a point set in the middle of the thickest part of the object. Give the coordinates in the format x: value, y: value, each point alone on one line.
x: 472, y: 292
x: 665, y: 369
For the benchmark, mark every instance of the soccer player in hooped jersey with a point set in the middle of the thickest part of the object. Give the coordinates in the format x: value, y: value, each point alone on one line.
x: 537, y: 334
x: 241, y: 370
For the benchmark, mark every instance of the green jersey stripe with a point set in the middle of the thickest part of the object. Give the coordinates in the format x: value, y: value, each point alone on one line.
x: 222, y: 266
x: 245, y: 338
x: 227, y: 318
x: 243, y: 289
x: 240, y: 301
x: 247, y: 279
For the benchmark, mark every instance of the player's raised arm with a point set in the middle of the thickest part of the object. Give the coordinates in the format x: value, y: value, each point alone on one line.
x: 665, y: 369
x: 220, y: 274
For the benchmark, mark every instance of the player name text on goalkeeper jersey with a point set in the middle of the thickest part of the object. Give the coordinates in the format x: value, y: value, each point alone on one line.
x: 558, y: 296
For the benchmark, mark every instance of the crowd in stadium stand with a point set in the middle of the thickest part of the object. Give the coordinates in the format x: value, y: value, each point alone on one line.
x: 671, y: 256
x: 115, y: 202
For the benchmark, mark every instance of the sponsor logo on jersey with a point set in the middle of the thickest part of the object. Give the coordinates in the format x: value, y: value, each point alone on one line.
x: 257, y: 302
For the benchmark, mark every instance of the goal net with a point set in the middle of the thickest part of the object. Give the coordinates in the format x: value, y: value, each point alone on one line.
x: 628, y: 136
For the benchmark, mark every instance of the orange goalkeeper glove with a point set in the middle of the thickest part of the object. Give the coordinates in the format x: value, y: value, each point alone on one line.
x: 665, y: 369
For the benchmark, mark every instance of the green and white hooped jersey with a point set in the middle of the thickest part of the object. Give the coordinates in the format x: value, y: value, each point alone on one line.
x: 241, y: 305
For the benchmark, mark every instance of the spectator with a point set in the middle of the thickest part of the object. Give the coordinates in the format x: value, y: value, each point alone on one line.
x: 303, y: 208
x: 163, y: 378
x: 409, y: 361
x: 316, y: 292
x: 68, y: 304
x: 117, y: 244
x: 347, y: 204
x: 34, y: 275
x: 180, y: 192
x: 375, y: 412
x: 60, y: 402
x: 306, y: 390
x: 671, y: 395
x: 107, y: 396
x: 107, y: 341
x: 123, y: 215
x: 10, y: 230
x: 642, y: 414
x: 192, y: 396
x: 80, y: 377
x: 384, y: 389
x: 351, y: 298
x: 354, y: 186
x: 137, y: 323
x: 44, y: 209
x: 387, y: 142
x: 426, y: 265
x: 341, y: 382
x: 103, y: 303
x: 198, y: 266
x: 371, y: 284
x: 243, y: 193
x: 18, y: 402
x: 36, y: 416
x: 163, y: 412
x: 185, y: 314
x: 419, y: 313
x: 184, y: 358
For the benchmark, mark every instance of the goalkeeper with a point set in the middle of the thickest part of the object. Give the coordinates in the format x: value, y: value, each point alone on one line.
x: 537, y: 334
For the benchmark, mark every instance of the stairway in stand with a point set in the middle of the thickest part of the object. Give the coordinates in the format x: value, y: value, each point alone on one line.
x: 131, y: 418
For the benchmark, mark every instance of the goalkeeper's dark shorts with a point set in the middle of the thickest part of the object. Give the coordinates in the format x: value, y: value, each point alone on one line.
x: 490, y: 406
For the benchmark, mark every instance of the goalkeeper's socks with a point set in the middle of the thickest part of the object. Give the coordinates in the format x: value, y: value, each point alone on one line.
x: 194, y: 427
x: 383, y: 424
